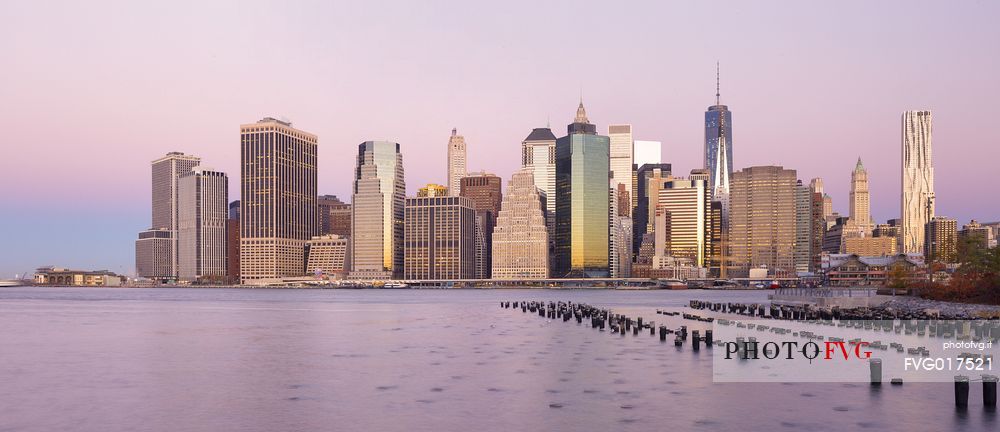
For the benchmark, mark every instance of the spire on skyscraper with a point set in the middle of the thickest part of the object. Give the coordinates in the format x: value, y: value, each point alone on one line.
x: 581, y: 113
x: 859, y: 166
x: 717, y: 94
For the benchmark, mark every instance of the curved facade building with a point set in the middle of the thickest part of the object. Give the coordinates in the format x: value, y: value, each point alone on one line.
x: 918, y: 180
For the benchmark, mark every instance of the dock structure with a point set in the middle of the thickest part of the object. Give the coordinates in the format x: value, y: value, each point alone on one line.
x: 829, y: 297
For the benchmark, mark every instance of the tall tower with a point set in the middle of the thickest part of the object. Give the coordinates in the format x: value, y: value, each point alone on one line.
x: 860, y: 224
x: 456, y: 162
x: 378, y: 209
x: 719, y: 147
x: 582, y: 200
x: 918, y: 180
x: 201, y: 233
x: 763, y: 223
x: 278, y: 211
x: 486, y: 192
x: 161, y: 262
x: 538, y: 155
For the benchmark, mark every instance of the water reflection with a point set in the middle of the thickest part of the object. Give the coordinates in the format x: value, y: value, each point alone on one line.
x: 188, y: 359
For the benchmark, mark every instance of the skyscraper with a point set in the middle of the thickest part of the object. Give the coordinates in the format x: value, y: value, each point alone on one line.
x: 485, y: 191
x: 621, y: 154
x: 334, y: 216
x: 538, y: 154
x: 817, y: 224
x: 456, y: 162
x: 719, y: 148
x: 203, y: 203
x: 620, y: 209
x: 763, y: 221
x: 685, y: 206
x: 278, y: 211
x: 378, y: 209
x: 164, y: 258
x: 233, y: 243
x: 860, y: 223
x: 439, y: 240
x: 582, y: 199
x: 520, y: 238
x: 649, y: 177
x: 918, y: 180
x: 803, y: 226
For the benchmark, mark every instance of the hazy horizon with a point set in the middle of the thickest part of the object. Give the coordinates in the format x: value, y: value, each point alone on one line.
x: 92, y: 92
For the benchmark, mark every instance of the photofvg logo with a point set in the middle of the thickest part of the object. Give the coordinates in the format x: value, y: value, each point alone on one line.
x: 854, y: 351
x: 751, y: 349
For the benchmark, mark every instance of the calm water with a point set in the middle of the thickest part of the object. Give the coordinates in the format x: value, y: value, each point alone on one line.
x: 397, y: 360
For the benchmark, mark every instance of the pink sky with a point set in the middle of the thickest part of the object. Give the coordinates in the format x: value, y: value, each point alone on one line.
x: 91, y: 92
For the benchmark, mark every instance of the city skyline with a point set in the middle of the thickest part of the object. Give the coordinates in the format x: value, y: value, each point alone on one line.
x: 663, y: 105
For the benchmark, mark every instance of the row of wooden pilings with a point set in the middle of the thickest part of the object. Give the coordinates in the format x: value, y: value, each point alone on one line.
x: 601, y: 319
x: 620, y: 324
x: 908, y: 323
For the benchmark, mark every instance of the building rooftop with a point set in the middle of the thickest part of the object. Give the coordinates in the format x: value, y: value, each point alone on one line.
x: 541, y: 134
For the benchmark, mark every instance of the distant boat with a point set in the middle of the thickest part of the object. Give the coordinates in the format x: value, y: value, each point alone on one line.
x: 395, y: 285
x: 7, y: 283
x: 675, y: 285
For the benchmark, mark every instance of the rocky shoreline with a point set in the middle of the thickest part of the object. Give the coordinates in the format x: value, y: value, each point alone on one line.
x: 945, y: 309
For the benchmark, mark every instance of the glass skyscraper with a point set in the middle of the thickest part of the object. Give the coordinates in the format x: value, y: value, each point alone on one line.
x: 582, y: 201
x: 719, y: 148
x: 378, y: 207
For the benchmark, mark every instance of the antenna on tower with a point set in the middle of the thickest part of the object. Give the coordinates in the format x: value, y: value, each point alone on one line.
x: 717, y: 83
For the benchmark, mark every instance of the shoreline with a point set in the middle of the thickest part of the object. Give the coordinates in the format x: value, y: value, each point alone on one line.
x: 903, y: 303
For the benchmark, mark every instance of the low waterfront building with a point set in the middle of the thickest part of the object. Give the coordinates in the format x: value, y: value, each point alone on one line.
x: 56, y: 276
x: 668, y: 267
x: 855, y: 270
x: 153, y: 255
x: 328, y: 255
